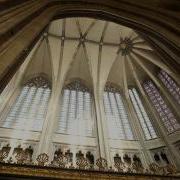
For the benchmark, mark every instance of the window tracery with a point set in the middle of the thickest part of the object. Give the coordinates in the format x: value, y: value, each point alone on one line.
x: 77, y: 85
x: 117, y: 117
x: 38, y: 82
x: 145, y: 122
x: 170, y: 84
x: 76, y: 111
x: 162, y: 108
x: 30, y: 107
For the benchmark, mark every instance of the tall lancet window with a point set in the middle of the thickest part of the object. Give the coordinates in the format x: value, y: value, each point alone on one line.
x: 29, y: 109
x: 170, y: 84
x: 162, y: 108
x: 145, y: 122
x: 116, y: 114
x: 76, y: 112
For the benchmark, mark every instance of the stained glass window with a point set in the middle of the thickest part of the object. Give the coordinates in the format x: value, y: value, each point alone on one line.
x: 76, y: 117
x: 116, y: 114
x: 170, y: 84
x: 145, y: 122
x: 30, y: 107
x: 162, y: 108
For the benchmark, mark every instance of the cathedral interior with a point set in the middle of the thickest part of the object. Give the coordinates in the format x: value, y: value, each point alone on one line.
x: 89, y: 89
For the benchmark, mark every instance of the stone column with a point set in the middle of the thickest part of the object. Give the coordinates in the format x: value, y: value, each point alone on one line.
x: 104, y: 149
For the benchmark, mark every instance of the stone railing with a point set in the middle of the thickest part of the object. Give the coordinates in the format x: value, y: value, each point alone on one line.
x: 82, y: 163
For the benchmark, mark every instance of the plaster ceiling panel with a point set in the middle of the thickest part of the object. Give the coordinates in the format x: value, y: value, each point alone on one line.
x: 36, y: 63
x: 116, y: 73
x: 112, y: 34
x: 96, y: 31
x: 108, y: 56
x: 125, y: 31
x: 141, y: 63
x: 55, y: 48
x: 145, y: 61
x: 79, y: 68
x: 101, y: 64
x: 134, y: 36
x: 41, y: 62
x: 71, y: 29
x: 93, y: 54
x: 85, y: 23
x: 154, y: 59
x: 47, y: 61
x: 129, y: 74
x: 139, y: 71
x: 70, y: 50
x: 55, y: 28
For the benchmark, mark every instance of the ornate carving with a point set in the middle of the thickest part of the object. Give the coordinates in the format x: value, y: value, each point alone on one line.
x: 90, y: 158
x: 171, y: 169
x: 154, y: 168
x: 42, y: 159
x: 10, y: 160
x: 39, y: 82
x: 111, y: 88
x: 21, y: 157
x: 71, y: 166
x: 82, y: 162
x: 137, y: 165
x: 17, y: 150
x: 69, y: 156
x: 58, y: 153
x: 61, y: 161
x: 101, y: 163
x: 77, y: 85
x: 118, y: 164
x: 127, y: 159
x: 111, y: 169
x: 127, y: 163
x: 4, y: 153
x: 29, y: 152
x: 55, y: 173
x: 3, y: 156
x: 125, y: 46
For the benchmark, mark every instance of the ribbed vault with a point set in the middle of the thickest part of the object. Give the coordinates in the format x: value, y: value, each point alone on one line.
x: 99, y: 51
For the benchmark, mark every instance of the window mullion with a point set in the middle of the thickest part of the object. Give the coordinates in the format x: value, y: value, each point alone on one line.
x: 136, y: 101
x: 120, y: 115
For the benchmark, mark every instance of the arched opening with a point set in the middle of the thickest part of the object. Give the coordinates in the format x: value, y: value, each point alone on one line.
x: 123, y: 60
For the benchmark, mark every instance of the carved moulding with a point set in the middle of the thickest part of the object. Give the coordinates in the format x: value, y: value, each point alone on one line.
x: 52, y: 172
x: 102, y: 164
x: 42, y: 159
x: 82, y: 163
x: 60, y: 161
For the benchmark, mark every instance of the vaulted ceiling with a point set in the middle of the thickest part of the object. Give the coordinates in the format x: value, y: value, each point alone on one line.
x: 97, y: 52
